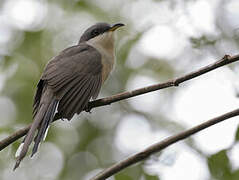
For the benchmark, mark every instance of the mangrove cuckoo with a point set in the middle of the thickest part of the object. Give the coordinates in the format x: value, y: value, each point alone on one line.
x: 69, y: 81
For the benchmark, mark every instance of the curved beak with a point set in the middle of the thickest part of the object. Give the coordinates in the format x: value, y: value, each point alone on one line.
x: 116, y: 26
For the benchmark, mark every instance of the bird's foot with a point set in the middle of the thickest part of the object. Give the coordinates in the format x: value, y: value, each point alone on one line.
x: 88, y: 108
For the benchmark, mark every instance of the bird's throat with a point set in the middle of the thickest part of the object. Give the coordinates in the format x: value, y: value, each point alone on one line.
x: 105, y: 45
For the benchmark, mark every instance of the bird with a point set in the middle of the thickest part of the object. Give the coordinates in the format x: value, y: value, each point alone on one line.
x: 69, y: 81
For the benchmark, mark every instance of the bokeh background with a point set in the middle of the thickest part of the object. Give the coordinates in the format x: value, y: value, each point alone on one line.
x: 163, y: 39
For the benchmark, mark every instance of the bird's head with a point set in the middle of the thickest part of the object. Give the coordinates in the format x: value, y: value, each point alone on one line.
x: 100, y: 32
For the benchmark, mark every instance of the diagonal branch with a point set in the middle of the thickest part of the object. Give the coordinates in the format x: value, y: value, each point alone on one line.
x: 125, y: 95
x: 174, y: 82
x: 161, y: 145
x: 15, y: 136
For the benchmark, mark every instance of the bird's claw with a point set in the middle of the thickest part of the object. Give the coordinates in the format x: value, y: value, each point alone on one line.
x: 88, y: 109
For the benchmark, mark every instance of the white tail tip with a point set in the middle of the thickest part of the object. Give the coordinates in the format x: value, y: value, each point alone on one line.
x: 45, y: 135
x: 19, y: 149
x: 56, y: 111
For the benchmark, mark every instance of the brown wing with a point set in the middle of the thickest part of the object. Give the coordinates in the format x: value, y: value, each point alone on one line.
x: 75, y: 78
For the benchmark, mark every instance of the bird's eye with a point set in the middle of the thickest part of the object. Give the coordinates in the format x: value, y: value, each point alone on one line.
x: 95, y: 32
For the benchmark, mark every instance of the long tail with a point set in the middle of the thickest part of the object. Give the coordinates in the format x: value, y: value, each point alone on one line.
x: 41, y: 122
x: 48, y: 118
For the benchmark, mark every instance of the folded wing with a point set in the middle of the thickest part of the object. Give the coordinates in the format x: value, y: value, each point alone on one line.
x: 75, y: 76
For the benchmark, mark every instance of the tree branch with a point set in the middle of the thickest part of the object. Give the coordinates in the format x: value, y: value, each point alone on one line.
x: 174, y: 82
x: 161, y: 145
x: 15, y: 136
x: 118, y: 97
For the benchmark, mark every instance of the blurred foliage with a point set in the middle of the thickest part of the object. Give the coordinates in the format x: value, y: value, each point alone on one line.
x: 202, y: 42
x: 220, y: 168
x: 219, y: 165
x: 237, y: 134
x: 88, y: 142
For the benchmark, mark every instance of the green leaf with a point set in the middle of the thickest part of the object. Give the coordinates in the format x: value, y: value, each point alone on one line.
x: 150, y: 177
x: 237, y: 134
x: 219, y: 165
x: 235, y: 175
x: 122, y: 177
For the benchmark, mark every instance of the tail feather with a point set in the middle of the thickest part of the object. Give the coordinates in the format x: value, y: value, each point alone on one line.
x: 42, y: 119
x: 30, y: 135
x: 48, y: 118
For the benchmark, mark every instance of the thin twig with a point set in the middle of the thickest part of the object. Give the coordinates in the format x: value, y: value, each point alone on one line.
x: 118, y: 97
x: 15, y: 136
x: 174, y: 82
x: 161, y: 145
